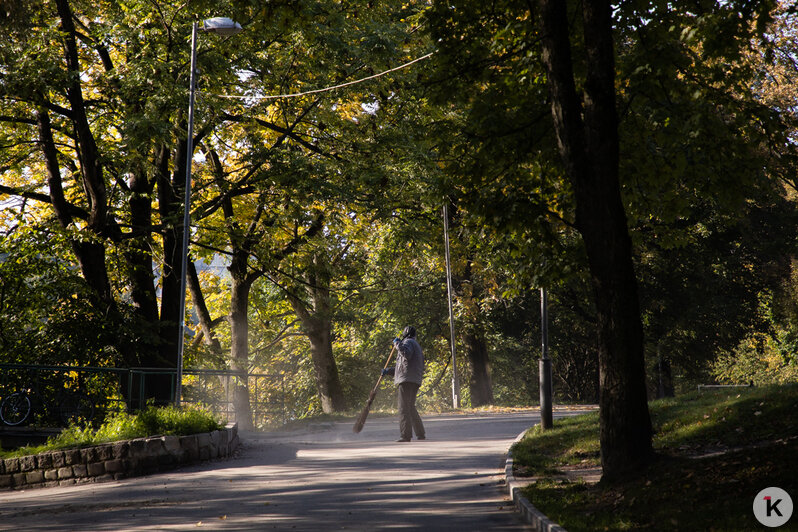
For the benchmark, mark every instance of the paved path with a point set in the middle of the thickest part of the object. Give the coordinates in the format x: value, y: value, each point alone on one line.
x: 320, y: 478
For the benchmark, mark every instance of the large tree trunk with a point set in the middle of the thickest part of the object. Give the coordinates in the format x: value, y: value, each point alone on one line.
x: 589, y: 150
x: 316, y: 318
x: 325, y: 370
x: 239, y: 332
x: 481, y: 384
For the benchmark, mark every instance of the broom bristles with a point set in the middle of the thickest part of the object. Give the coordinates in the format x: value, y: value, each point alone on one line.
x: 361, y: 419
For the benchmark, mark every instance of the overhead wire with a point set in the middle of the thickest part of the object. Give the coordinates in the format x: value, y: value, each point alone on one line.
x: 325, y: 89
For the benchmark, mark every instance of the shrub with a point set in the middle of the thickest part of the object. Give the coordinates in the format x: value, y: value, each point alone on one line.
x: 152, y: 421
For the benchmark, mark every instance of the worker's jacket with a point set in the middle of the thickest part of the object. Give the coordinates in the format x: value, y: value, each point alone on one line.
x: 409, y: 362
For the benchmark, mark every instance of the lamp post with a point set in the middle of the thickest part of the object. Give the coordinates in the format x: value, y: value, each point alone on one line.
x: 455, y: 379
x: 546, y: 421
x: 221, y: 26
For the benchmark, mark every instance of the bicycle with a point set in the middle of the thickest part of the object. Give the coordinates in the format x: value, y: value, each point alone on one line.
x: 68, y: 407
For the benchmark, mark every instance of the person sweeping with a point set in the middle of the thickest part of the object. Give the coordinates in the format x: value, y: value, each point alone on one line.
x: 407, y: 375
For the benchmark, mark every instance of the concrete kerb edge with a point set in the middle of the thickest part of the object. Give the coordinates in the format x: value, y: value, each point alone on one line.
x: 531, y: 515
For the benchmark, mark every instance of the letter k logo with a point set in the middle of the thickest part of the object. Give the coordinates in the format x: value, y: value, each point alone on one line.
x: 772, y: 506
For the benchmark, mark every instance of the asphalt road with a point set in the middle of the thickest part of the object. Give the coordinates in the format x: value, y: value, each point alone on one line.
x: 320, y: 478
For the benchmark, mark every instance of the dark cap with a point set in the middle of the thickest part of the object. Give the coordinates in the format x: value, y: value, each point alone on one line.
x: 409, y: 332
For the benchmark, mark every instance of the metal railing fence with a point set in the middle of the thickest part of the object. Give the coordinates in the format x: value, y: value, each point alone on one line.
x: 129, y: 388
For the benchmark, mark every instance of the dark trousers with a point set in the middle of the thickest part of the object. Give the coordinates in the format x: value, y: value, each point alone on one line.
x: 409, y: 420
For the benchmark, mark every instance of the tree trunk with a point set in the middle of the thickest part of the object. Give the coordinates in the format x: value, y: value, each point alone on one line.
x: 316, y: 321
x: 589, y: 151
x: 481, y: 384
x: 172, y: 237
x: 664, y: 375
x: 325, y: 369
x: 239, y: 355
x: 139, y: 259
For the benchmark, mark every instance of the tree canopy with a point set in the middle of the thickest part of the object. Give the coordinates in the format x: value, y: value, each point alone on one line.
x: 638, y: 161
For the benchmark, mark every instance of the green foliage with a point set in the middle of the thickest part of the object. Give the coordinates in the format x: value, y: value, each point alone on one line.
x: 760, y: 358
x: 46, y: 308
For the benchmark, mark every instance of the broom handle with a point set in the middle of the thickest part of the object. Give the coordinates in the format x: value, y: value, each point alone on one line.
x: 387, y: 363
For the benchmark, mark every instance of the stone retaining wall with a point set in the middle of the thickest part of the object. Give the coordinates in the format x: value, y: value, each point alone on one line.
x: 115, y: 461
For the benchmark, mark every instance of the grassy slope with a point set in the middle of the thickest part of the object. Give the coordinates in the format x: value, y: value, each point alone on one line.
x: 717, y: 450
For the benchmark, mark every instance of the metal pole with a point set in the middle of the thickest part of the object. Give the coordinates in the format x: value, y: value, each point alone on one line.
x: 455, y: 380
x: 186, y: 215
x: 546, y: 421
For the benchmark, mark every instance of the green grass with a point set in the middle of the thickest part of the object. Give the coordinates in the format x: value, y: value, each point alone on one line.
x: 716, y: 451
x: 164, y: 421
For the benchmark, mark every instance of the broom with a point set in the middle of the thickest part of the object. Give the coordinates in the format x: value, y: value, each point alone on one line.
x: 361, y: 419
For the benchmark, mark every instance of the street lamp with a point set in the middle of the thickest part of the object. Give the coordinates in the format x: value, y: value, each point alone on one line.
x: 545, y: 364
x: 455, y: 379
x: 221, y: 26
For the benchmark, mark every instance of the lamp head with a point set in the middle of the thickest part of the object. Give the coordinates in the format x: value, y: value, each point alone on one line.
x: 221, y: 26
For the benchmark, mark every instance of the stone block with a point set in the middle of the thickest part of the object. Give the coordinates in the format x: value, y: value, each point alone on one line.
x: 5, y: 481
x: 171, y: 444
x: 224, y: 438
x: 180, y: 456
x: 34, y: 477
x: 72, y: 457
x: 114, y: 466
x: 104, y: 452
x: 105, y: 478
x: 96, y: 469
x: 88, y: 455
x: 12, y: 465
x: 189, y: 445
x: 166, y: 460
x: 137, y: 448
x: 155, y: 446
x: 203, y: 439
x: 44, y: 461
x: 121, y: 449
x: 80, y: 471
x: 27, y: 463
x: 51, y: 474
x: 58, y: 459
x: 18, y: 479
x: 64, y: 472
x: 205, y: 452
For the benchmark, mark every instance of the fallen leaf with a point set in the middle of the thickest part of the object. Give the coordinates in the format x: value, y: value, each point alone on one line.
x: 222, y: 517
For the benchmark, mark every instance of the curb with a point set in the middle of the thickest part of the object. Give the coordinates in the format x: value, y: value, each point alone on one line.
x: 530, y: 514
